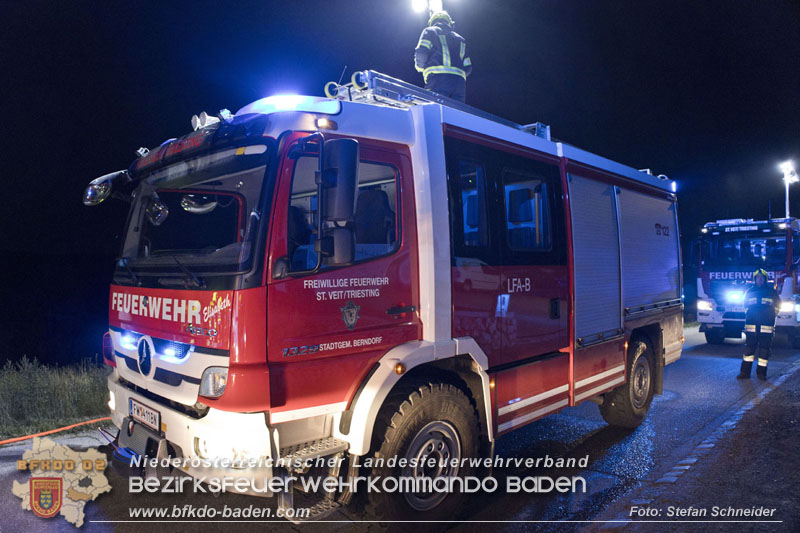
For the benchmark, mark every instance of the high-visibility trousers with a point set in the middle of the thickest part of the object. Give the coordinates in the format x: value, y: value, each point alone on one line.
x: 449, y: 85
x: 758, y: 343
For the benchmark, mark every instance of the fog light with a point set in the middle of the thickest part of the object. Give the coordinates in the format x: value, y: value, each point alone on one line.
x: 213, y: 382
x: 216, y: 447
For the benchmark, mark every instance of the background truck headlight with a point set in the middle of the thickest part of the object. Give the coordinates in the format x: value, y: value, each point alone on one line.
x: 787, y: 307
x: 704, y: 305
x: 213, y: 382
x: 735, y: 296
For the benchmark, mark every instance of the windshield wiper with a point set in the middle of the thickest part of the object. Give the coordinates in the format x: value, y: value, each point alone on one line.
x: 198, y: 282
x: 123, y: 262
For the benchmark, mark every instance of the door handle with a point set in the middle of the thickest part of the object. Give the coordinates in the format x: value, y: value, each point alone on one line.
x: 400, y: 311
x: 555, y: 308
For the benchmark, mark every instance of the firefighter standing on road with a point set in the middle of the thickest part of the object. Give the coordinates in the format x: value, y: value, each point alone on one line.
x: 441, y: 56
x: 762, y: 303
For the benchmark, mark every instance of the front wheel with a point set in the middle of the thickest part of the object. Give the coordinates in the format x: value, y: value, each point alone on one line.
x: 627, y: 405
x: 425, y: 432
x: 715, y: 336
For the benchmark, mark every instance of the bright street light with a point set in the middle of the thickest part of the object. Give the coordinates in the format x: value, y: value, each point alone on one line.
x: 789, y: 172
x: 431, y: 5
x: 789, y: 177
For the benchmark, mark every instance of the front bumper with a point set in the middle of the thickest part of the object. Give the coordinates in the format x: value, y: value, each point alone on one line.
x: 207, y: 445
x: 733, y: 321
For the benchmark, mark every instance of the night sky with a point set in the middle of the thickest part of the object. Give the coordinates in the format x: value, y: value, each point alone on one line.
x: 705, y: 92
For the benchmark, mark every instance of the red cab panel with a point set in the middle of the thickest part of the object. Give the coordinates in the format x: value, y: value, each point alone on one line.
x: 193, y: 317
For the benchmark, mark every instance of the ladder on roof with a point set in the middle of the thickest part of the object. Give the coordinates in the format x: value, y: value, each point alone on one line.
x: 371, y: 87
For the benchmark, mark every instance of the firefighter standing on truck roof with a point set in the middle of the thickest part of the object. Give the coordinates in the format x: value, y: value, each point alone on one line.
x: 762, y: 303
x: 441, y: 56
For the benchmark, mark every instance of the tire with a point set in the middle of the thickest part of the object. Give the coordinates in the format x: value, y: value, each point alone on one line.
x: 627, y: 405
x: 715, y: 336
x: 794, y: 339
x: 434, y: 420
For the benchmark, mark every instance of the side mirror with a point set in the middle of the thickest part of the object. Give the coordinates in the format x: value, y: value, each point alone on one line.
x: 339, y: 179
x: 337, y: 187
x: 198, y: 204
x: 99, y: 189
x: 338, y: 182
x: 337, y: 247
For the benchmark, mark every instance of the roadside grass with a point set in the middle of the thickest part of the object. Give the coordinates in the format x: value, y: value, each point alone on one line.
x: 36, y: 397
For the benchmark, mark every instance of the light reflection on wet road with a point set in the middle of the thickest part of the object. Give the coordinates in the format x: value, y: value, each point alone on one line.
x: 700, y: 391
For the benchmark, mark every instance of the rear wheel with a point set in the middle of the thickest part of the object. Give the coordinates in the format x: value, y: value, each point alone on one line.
x: 431, y: 421
x: 715, y: 336
x: 627, y: 405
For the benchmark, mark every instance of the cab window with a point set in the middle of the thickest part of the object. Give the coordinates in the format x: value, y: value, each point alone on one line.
x: 375, y: 224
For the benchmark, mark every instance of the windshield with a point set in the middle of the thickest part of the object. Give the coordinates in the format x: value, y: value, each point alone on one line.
x: 745, y: 252
x: 192, y: 220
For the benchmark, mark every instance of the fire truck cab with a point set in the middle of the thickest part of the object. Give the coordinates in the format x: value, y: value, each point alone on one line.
x: 728, y: 252
x: 382, y: 272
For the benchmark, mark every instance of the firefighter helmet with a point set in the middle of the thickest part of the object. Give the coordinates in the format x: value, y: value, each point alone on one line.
x: 760, y: 272
x: 440, y: 15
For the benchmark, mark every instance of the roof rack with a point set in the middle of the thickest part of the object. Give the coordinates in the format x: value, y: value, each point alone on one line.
x: 371, y: 87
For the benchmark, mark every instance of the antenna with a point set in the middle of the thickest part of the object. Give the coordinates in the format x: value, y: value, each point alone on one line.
x: 342, y: 76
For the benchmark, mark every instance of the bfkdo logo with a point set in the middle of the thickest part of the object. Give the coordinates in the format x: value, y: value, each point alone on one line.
x: 46, y: 495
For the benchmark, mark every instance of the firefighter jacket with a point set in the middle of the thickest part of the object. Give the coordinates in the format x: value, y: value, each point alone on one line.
x: 440, y: 50
x: 762, y: 304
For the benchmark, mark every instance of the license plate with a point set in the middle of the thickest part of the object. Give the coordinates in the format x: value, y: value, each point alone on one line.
x: 147, y: 416
x: 738, y: 309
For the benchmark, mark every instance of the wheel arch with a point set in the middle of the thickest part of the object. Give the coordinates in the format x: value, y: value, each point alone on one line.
x: 459, y: 362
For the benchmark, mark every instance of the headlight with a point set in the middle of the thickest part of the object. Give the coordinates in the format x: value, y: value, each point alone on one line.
x: 213, y: 382
x: 787, y: 307
x: 704, y: 305
x: 129, y: 342
x: 112, y: 401
x: 735, y: 296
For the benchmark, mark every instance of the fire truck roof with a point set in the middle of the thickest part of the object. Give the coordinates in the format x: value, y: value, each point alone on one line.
x: 379, y: 106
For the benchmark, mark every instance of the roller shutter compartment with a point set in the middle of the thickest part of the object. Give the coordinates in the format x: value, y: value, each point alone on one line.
x: 596, y: 252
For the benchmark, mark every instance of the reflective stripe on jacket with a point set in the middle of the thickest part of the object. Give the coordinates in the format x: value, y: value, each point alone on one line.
x: 762, y: 307
x: 440, y: 50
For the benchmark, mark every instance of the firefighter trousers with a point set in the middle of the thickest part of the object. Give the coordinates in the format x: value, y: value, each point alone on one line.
x: 449, y: 85
x: 757, y: 345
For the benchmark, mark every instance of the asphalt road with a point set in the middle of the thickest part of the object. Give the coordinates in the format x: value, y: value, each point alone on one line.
x: 674, y: 452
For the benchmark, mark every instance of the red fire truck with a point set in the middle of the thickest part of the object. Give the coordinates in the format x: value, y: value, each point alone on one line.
x: 381, y: 273
x: 728, y: 252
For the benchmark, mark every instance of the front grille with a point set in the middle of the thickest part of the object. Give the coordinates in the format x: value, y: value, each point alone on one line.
x: 192, y: 411
x: 179, y: 350
x: 733, y: 316
x: 719, y: 289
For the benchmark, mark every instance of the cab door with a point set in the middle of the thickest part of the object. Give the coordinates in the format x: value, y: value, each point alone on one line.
x: 509, y: 271
x: 479, y: 303
x: 532, y: 242
x: 327, y: 329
